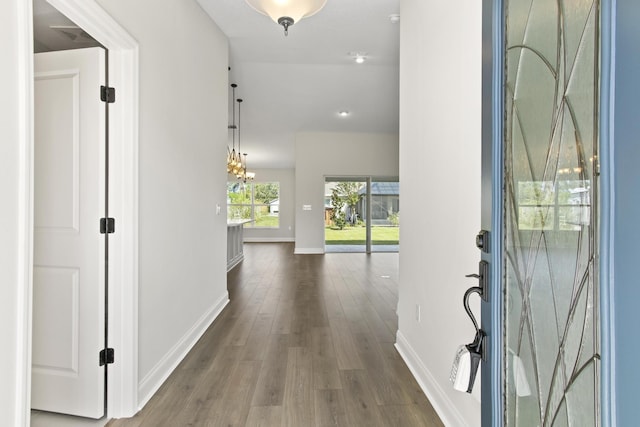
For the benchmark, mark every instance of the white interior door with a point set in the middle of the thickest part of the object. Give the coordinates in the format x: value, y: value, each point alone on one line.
x: 68, y: 282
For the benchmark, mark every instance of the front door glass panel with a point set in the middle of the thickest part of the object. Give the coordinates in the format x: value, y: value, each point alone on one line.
x: 551, y: 356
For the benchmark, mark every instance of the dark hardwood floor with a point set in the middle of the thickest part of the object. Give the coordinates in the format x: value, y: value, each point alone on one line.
x: 307, y: 340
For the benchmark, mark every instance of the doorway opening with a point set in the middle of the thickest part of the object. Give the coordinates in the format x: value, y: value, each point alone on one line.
x: 70, y: 286
x: 123, y: 263
x: 362, y: 214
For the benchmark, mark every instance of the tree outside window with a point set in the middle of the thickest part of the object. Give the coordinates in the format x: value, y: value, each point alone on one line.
x: 256, y: 201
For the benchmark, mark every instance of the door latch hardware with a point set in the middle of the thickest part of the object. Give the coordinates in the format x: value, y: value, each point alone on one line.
x: 483, y: 280
x: 474, y: 352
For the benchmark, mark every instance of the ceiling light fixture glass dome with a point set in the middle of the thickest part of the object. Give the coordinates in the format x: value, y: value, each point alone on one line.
x: 287, y: 12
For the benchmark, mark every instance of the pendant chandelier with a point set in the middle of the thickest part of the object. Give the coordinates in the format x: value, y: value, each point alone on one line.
x: 234, y: 160
x: 287, y: 12
x: 235, y: 164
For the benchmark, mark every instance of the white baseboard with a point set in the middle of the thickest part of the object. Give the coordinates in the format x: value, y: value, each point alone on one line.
x: 307, y: 251
x: 443, y: 406
x: 268, y: 239
x: 234, y: 261
x: 158, y: 375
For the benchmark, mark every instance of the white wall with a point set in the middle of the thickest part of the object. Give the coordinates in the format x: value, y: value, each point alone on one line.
x: 14, y: 257
x: 286, y: 232
x: 440, y: 115
x: 182, y: 148
x: 334, y: 154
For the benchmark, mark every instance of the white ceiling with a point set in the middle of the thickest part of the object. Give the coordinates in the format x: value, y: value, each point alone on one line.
x: 300, y: 82
x: 296, y: 83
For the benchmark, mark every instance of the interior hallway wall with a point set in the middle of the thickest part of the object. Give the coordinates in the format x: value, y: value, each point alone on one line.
x: 440, y: 142
x: 320, y: 154
x: 183, y: 99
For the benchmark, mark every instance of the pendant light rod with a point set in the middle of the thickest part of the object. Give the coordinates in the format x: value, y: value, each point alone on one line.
x: 239, y: 127
x: 233, y: 113
x: 241, y: 166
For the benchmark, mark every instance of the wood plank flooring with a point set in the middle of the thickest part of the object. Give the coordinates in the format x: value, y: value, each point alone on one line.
x: 307, y: 340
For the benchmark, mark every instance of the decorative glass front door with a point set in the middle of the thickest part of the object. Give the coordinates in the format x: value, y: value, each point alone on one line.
x: 551, y: 321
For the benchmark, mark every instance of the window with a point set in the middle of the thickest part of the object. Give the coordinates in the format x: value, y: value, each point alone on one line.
x: 545, y: 205
x: 256, y: 201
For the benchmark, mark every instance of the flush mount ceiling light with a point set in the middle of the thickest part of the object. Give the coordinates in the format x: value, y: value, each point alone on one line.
x: 343, y: 113
x: 287, y: 12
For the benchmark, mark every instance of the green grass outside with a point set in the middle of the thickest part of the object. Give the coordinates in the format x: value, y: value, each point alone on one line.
x: 265, y: 221
x: 357, y: 236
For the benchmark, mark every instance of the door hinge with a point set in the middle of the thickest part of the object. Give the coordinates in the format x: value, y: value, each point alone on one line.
x: 107, y: 94
x: 107, y: 356
x: 107, y: 225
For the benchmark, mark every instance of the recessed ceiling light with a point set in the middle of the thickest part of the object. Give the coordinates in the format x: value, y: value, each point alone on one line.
x: 358, y: 57
x: 343, y: 113
x: 394, y: 18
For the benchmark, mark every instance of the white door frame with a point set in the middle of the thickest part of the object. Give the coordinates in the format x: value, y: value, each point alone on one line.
x: 122, y: 396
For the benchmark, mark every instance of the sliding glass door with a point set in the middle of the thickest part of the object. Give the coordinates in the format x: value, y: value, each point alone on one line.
x: 385, y: 215
x: 362, y: 214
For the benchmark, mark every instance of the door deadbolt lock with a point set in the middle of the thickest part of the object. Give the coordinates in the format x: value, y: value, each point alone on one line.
x: 482, y: 241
